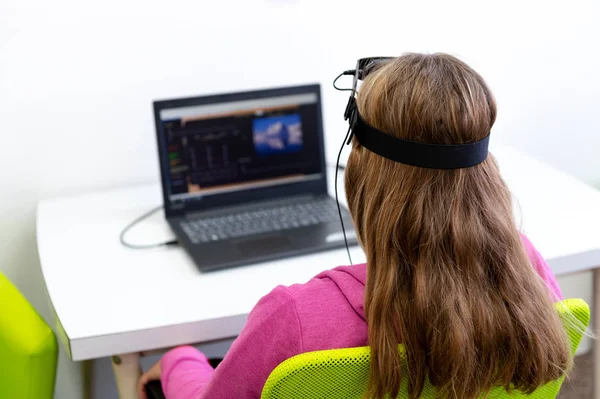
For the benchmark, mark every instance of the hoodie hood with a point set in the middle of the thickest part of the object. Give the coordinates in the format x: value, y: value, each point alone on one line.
x: 351, y: 282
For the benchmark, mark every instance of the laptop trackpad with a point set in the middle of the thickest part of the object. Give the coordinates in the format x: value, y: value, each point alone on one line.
x: 264, y: 245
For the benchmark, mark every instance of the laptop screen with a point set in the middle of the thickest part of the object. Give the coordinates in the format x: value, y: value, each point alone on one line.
x: 216, y: 148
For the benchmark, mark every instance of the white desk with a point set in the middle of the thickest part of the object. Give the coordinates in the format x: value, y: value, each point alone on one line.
x: 113, y: 301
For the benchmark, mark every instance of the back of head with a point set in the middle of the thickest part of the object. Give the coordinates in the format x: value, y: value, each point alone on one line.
x: 447, y: 273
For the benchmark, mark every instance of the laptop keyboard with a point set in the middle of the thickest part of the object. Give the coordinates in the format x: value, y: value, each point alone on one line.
x: 265, y: 220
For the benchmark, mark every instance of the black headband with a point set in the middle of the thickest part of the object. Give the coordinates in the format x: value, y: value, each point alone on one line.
x: 433, y: 156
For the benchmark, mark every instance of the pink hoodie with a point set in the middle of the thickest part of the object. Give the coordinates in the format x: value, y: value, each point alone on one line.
x: 325, y: 313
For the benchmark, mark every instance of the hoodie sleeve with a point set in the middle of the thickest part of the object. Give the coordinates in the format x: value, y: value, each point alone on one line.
x: 541, y: 266
x: 271, y: 335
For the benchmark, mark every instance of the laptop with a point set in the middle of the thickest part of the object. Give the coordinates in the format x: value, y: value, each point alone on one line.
x: 244, y: 177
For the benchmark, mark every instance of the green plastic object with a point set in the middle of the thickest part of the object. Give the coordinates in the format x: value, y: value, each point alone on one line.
x: 344, y: 373
x: 28, y: 348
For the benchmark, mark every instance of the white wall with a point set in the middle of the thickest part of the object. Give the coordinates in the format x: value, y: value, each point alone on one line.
x: 77, y: 79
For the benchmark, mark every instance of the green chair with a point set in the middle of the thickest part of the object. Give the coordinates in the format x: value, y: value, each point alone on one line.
x: 344, y: 373
x: 28, y: 348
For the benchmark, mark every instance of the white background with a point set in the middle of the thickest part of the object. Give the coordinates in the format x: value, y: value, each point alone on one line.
x: 77, y: 81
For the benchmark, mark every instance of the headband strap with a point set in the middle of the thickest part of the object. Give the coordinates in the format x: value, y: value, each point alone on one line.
x: 433, y: 156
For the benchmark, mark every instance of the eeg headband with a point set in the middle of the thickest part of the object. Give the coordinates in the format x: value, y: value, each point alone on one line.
x: 435, y: 156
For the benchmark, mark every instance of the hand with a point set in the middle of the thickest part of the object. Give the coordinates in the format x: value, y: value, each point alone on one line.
x: 153, y: 373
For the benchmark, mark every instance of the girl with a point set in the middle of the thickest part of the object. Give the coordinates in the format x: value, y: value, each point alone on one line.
x: 448, y: 275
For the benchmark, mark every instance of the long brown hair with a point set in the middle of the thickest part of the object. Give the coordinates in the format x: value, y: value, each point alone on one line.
x: 447, y: 273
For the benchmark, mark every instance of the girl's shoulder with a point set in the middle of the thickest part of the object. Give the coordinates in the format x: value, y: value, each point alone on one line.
x: 541, y: 267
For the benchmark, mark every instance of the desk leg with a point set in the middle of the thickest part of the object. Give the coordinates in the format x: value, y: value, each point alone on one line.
x: 596, y: 326
x: 127, y: 371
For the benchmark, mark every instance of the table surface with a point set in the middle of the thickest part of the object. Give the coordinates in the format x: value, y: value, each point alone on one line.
x: 111, y: 300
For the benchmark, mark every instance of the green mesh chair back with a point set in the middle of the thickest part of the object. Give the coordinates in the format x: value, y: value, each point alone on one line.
x: 28, y: 348
x: 344, y: 373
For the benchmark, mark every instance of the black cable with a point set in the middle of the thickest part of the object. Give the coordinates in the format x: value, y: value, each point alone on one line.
x: 348, y: 72
x: 336, y: 194
x: 143, y: 246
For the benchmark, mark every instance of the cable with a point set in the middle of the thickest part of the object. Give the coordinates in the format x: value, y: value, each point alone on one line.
x: 143, y: 246
x: 336, y: 194
x: 348, y: 72
x: 339, y: 167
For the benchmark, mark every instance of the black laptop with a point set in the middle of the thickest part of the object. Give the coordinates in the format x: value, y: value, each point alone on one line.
x: 244, y: 177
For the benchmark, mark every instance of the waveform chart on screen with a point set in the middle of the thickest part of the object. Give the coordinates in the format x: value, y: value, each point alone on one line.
x: 281, y: 134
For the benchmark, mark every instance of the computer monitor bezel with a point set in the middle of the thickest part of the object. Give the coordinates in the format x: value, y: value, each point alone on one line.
x: 203, y: 203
